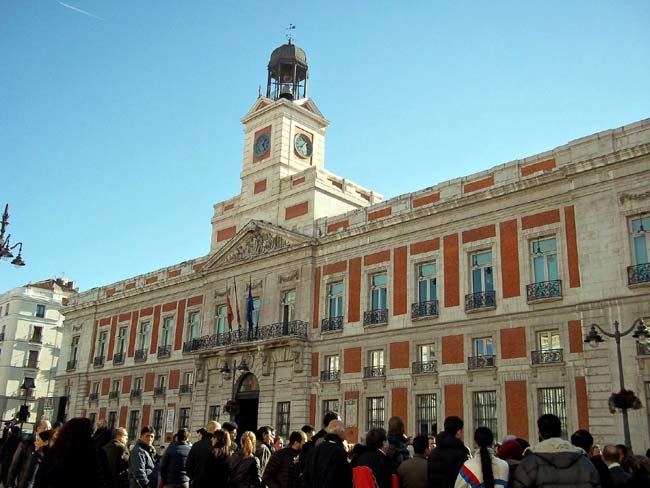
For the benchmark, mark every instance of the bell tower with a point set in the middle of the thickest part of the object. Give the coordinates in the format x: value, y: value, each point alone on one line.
x: 288, y: 73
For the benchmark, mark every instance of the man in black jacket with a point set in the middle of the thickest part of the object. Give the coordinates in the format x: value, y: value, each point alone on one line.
x: 20, y: 462
x: 316, y: 439
x: 327, y: 466
x: 118, y: 458
x: 200, y: 462
x: 448, y: 456
x: 375, y: 458
x: 283, y: 468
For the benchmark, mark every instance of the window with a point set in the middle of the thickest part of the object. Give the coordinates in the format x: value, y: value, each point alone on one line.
x: 112, y: 420
x: 134, y: 424
x: 40, y: 311
x: 482, y: 279
x: 32, y: 359
x: 483, y: 347
x: 426, y: 353
x: 552, y: 400
x: 214, y: 412
x: 640, y: 240
x: 376, y: 358
x: 221, y: 319
x: 122, y: 335
x: 162, y: 381
x: 378, y: 292
x: 116, y: 386
x: 288, y: 306
x: 7, y: 309
x: 426, y: 414
x: 332, y: 362
x: 375, y: 412
x: 184, y: 418
x: 485, y: 410
x: 143, y: 335
x: 194, y: 329
x: 427, y: 288
x: 93, y: 418
x: 330, y: 406
x: 167, y: 331
x: 548, y: 340
x: 256, y: 311
x: 101, y: 344
x: 37, y: 334
x: 158, y: 422
x: 188, y: 378
x: 544, y: 258
x: 282, y: 419
x: 335, y: 299
x: 96, y: 387
x: 137, y: 383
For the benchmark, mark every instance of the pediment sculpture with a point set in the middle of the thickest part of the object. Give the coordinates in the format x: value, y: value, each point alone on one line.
x: 256, y: 243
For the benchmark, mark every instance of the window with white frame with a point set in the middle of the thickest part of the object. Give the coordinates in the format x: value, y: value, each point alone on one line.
x: 184, y: 418
x: 483, y: 346
x: 426, y: 353
x: 256, y: 311
x: 544, y: 259
x: 157, y: 425
x: 282, y: 418
x: 137, y: 383
x: 379, y: 291
x: 376, y: 358
x: 330, y: 405
x: 548, y: 340
x: 375, y: 412
x: 162, y: 381
x: 221, y: 319
x: 102, y: 343
x: 188, y: 378
x: 40, y: 311
x: 482, y: 276
x: 335, y: 299
x: 288, y: 306
x: 427, y: 285
x: 214, y: 412
x: 553, y: 400
x: 426, y: 414
x: 74, y: 348
x: 332, y: 362
x: 194, y: 325
x: 116, y: 386
x: 122, y: 336
x: 134, y: 424
x: 144, y: 332
x: 640, y: 226
x: 167, y: 331
x: 485, y: 410
x: 96, y: 387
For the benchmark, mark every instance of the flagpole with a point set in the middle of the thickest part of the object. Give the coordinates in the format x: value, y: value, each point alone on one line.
x: 237, y: 305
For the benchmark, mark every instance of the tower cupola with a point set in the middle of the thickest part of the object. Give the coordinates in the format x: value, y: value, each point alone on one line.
x: 288, y: 73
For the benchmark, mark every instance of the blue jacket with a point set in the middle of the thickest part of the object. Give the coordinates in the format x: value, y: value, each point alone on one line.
x: 172, y: 464
x: 141, y: 466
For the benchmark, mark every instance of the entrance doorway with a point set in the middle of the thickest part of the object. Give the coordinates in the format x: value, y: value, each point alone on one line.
x: 248, y: 398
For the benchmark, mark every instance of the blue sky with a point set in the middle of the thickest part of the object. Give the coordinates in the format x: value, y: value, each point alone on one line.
x: 119, y: 127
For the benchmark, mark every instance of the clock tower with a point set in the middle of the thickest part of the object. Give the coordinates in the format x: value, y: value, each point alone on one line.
x: 283, y: 176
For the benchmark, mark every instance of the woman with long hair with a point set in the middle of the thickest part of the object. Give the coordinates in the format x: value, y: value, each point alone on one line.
x: 484, y: 469
x: 222, y: 450
x: 244, y: 467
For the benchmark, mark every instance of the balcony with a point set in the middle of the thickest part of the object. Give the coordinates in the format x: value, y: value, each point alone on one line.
x: 72, y: 365
x: 374, y: 372
x: 295, y: 328
x: 135, y: 394
x: 332, y: 323
x: 98, y: 362
x: 30, y: 364
x: 118, y: 358
x: 643, y: 349
x: 424, y: 309
x: 140, y: 355
x: 187, y: 346
x: 424, y: 367
x: 93, y: 397
x: 548, y: 356
x: 185, y: 389
x: 375, y: 317
x: 544, y: 290
x: 638, y: 274
x: 113, y: 395
x: 164, y: 351
x: 480, y: 362
x: 485, y: 300
x: 330, y: 375
x: 159, y: 390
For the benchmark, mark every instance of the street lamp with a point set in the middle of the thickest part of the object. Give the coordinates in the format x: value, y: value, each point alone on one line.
x: 23, y: 414
x: 5, y: 244
x: 231, y: 405
x: 641, y: 334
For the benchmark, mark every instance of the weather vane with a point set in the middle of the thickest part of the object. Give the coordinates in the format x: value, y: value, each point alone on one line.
x: 290, y: 34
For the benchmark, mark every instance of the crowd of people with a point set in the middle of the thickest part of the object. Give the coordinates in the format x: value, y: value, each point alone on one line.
x: 71, y: 455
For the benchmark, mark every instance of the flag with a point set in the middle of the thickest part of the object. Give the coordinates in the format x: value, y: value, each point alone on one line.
x: 229, y: 309
x: 250, y: 306
x: 237, y: 306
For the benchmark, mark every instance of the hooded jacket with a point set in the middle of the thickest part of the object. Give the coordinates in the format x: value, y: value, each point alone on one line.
x: 446, y: 460
x: 555, y: 463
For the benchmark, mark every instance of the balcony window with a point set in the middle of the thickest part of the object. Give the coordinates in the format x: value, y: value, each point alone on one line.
x: 483, y: 353
x: 40, y: 311
x: 161, y: 385
x: 255, y: 315
x: 332, y: 369
x: 288, y: 306
x: 37, y: 335
x: 553, y: 400
x: 330, y: 405
x: 482, y: 282
x: 334, y: 319
x: 134, y: 424
x: 188, y: 381
x: 375, y: 412
x: 102, y: 343
x: 426, y: 361
x: 376, y: 365
x: 427, y: 292
x: 547, y: 284
x: 549, y: 349
x: 144, y: 331
x: 167, y: 331
x: 184, y: 418
x: 426, y: 414
x: 639, y: 272
x: 485, y: 410
x: 378, y: 292
x: 194, y: 325
x: 221, y: 319
x: 122, y: 335
x: 32, y: 360
x: 282, y: 418
x: 158, y: 422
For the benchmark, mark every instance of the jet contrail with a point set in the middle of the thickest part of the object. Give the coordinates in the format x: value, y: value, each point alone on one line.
x: 80, y: 11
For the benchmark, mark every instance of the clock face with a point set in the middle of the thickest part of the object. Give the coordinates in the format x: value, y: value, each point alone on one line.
x: 262, y: 144
x: 303, y: 145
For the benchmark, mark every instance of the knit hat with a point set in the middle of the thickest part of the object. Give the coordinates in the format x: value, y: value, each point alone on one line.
x: 510, y: 450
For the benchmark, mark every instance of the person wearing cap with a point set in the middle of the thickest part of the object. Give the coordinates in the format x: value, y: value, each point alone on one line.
x: 173, y: 473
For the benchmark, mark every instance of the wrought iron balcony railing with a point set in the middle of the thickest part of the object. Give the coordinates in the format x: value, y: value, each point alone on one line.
x: 98, y: 362
x: 113, y: 395
x: 480, y: 362
x: 544, y: 290
x: 295, y: 328
x: 424, y: 309
x: 638, y: 274
x: 375, y: 317
x: 140, y: 355
x: 137, y: 393
x: 159, y: 390
x: 118, y: 358
x: 93, y: 397
x: 72, y: 365
x: 164, y: 351
x: 187, y: 346
x: 185, y: 389
x: 421, y: 367
x: 547, y: 356
x: 330, y: 375
x: 331, y: 323
x: 481, y: 300
x: 643, y: 349
x: 374, y: 371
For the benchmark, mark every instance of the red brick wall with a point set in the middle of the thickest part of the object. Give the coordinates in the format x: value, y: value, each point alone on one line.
x: 316, y: 315
x: 479, y: 233
x: 312, y: 409
x: 106, y: 386
x: 453, y: 349
x: 148, y: 381
x: 454, y: 400
x: 582, y: 402
x: 332, y: 268
x: 259, y: 186
x: 376, y: 258
x: 102, y: 413
x: 399, y: 355
x: 425, y: 200
x: 425, y: 246
x: 343, y: 224
x: 478, y: 184
x: 296, y: 210
x: 227, y: 233
x: 169, y: 307
x: 174, y: 379
x: 314, y: 364
x: 517, y: 408
x: 572, y: 247
x: 575, y: 336
x: 378, y: 214
x: 352, y: 360
x: 126, y: 384
x: 539, y: 219
x: 122, y: 420
x: 153, y: 347
x: 180, y: 325
x: 513, y: 343
x: 399, y: 405
x: 547, y: 165
x: 133, y: 332
x: 354, y: 292
x: 146, y: 415
x: 509, y: 247
x: 451, y: 271
x: 194, y: 301
x: 111, y: 340
x: 399, y: 281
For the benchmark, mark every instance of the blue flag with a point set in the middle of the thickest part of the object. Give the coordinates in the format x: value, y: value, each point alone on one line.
x: 250, y: 307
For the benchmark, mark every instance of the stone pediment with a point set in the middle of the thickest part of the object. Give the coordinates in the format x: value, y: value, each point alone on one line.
x: 257, y: 239
x: 260, y: 103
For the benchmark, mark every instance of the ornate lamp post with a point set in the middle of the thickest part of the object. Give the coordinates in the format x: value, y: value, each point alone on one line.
x: 624, y: 399
x: 231, y: 406
x: 5, y: 245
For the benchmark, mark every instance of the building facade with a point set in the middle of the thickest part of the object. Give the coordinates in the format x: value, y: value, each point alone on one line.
x: 471, y: 297
x: 31, y: 332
